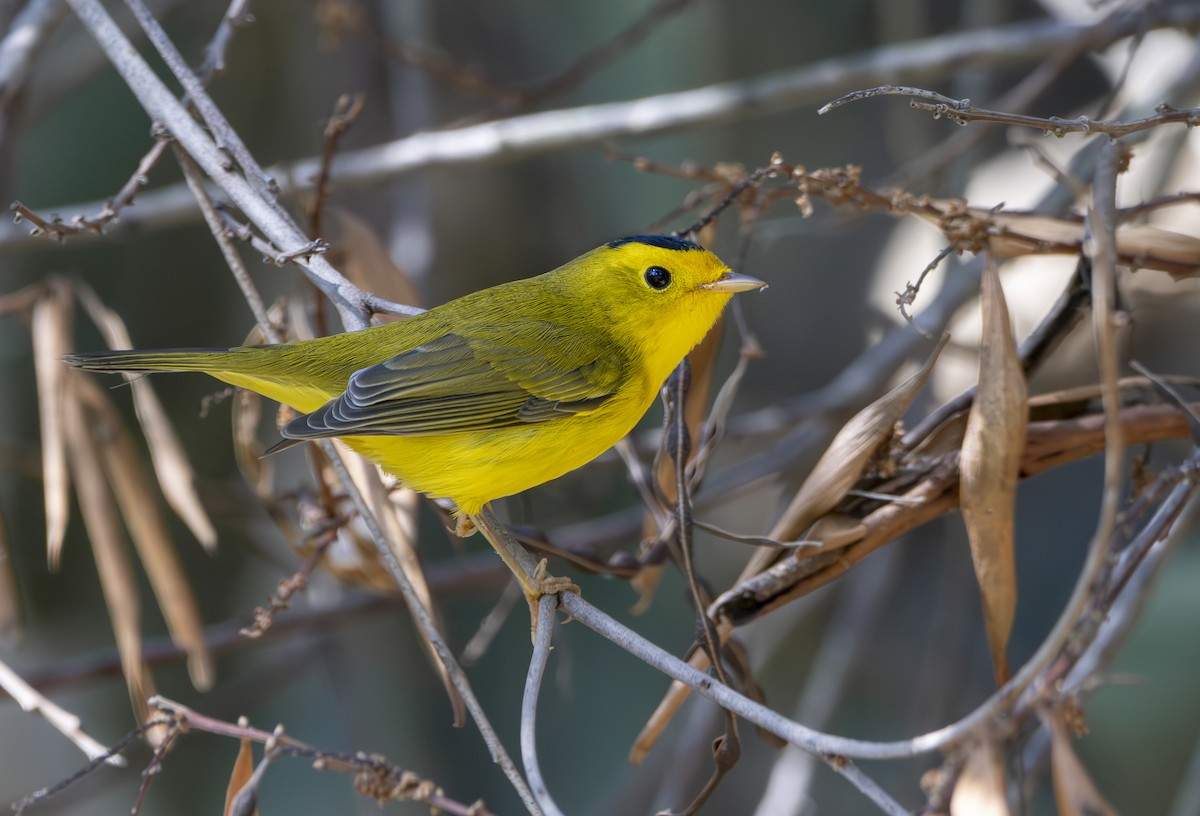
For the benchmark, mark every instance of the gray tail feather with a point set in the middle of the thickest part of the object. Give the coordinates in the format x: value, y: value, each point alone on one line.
x: 182, y: 359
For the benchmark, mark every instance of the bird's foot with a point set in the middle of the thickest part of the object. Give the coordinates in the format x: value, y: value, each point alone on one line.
x: 542, y: 583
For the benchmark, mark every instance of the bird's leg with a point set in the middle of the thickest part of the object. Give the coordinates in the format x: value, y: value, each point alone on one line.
x: 533, y: 577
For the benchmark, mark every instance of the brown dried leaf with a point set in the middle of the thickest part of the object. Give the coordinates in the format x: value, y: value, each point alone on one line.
x: 990, y: 466
x: 980, y: 790
x: 645, y: 584
x: 51, y: 340
x: 849, y: 453
x: 1014, y: 234
x: 243, y: 771
x: 10, y: 604
x: 369, y: 265
x: 1074, y: 791
x: 842, y: 464
x: 1149, y: 247
x: 136, y: 498
x: 175, y: 475
x: 112, y: 561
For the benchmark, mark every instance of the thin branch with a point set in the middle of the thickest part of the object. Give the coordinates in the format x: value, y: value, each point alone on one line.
x: 28, y: 32
x: 543, y: 638
x: 233, y: 260
x: 480, y: 573
x: 961, y: 111
x: 346, y: 111
x: 374, y: 776
x: 95, y: 224
x: 236, y: 16
x: 594, y: 60
x: 555, y: 130
x: 831, y: 748
x: 108, y: 757
x: 228, y: 141
x: 67, y: 723
x: 167, y: 110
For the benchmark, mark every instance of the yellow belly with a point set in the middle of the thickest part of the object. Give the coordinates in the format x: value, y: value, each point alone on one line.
x: 475, y: 468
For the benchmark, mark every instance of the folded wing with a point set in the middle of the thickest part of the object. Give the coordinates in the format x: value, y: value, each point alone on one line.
x: 451, y: 385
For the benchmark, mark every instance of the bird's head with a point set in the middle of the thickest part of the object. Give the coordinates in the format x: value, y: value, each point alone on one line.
x: 661, y: 292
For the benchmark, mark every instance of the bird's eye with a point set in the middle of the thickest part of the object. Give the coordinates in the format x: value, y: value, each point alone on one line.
x: 657, y: 277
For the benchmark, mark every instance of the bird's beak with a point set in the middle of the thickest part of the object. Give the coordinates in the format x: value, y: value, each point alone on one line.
x: 733, y: 282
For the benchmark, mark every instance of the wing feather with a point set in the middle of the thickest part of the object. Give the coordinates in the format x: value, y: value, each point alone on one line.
x: 451, y: 385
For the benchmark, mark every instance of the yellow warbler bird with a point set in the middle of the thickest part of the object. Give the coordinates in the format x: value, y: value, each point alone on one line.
x: 499, y: 390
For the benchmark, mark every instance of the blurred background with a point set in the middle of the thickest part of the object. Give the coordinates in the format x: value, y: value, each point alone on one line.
x: 895, y: 649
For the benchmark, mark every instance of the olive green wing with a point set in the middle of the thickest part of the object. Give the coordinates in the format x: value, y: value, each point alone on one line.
x: 454, y: 385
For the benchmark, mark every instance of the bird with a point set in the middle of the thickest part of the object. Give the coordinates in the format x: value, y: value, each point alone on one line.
x: 495, y: 392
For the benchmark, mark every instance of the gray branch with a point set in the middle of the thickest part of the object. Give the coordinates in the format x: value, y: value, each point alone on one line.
x: 164, y: 108
x: 532, y: 134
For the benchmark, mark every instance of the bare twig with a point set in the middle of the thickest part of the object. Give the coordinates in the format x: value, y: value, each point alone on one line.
x: 233, y: 260
x: 228, y: 140
x: 832, y: 749
x: 374, y: 776
x: 164, y: 108
x: 543, y: 638
x: 108, y: 757
x: 214, y: 63
x: 961, y: 111
x: 594, y: 60
x: 57, y: 229
x: 67, y: 723
x: 554, y: 130
x: 346, y: 111
x: 236, y: 16
x: 909, y: 296
x: 27, y: 33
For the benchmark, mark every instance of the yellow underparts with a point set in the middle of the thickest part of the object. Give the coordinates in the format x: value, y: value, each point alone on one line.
x: 475, y: 468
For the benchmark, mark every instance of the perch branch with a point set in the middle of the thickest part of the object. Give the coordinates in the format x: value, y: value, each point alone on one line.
x: 543, y: 638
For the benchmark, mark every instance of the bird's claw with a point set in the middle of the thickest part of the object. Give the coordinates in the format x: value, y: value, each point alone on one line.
x: 539, y: 584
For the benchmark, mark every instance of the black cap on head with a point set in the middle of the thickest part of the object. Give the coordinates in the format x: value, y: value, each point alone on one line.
x: 660, y: 241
